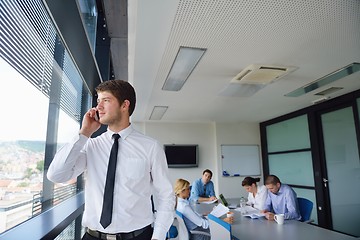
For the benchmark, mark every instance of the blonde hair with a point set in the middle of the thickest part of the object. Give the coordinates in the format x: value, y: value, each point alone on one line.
x: 180, y: 185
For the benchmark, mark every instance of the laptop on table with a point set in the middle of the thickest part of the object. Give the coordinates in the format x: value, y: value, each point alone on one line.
x: 225, y: 202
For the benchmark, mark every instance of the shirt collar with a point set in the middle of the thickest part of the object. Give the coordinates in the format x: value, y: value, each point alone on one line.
x: 123, y: 133
x: 280, y: 189
x: 182, y: 200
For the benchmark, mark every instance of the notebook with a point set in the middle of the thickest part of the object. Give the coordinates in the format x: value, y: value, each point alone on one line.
x: 225, y: 202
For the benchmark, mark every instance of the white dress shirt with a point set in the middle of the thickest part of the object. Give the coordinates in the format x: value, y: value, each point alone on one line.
x: 258, y: 201
x: 141, y: 171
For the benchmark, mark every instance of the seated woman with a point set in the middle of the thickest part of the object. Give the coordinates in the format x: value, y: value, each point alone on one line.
x: 257, y: 194
x: 192, y: 219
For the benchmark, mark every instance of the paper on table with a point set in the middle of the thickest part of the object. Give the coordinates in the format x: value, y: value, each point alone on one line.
x: 209, y: 202
x: 254, y: 215
x: 251, y: 212
x: 219, y: 210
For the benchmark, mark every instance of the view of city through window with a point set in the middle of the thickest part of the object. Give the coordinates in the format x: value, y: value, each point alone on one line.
x: 42, y: 98
x: 22, y: 145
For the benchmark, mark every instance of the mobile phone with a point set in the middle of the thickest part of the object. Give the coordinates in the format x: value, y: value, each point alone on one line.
x: 96, y: 117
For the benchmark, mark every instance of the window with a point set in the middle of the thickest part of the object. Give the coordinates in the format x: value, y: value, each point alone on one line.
x: 289, y: 156
x: 42, y: 98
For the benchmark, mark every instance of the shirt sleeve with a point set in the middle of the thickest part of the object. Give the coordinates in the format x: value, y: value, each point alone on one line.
x: 250, y: 199
x: 291, y: 205
x: 195, y: 218
x: 261, y: 198
x: 164, y: 194
x: 69, y: 162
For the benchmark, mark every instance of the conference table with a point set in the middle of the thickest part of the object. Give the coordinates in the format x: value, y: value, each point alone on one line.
x: 246, y: 228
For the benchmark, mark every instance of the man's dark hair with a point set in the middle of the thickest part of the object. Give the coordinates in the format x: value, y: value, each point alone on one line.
x: 121, y: 89
x: 248, y: 181
x: 207, y: 171
x: 272, y: 179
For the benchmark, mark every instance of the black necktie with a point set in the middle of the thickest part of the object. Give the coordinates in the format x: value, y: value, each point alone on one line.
x: 204, y: 190
x: 106, y: 213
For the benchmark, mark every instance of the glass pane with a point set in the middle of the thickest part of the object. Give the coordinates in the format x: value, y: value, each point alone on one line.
x: 22, y: 146
x: 343, y: 169
x: 66, y: 129
x: 68, y: 233
x: 288, y: 135
x: 25, y: 110
x: 293, y: 168
x: 308, y: 194
x: 89, y: 16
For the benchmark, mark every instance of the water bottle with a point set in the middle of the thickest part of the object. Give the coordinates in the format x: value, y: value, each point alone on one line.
x: 242, y: 205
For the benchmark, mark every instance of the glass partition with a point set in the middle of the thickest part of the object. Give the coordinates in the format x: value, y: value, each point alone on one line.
x: 293, y: 168
x: 343, y: 169
x: 290, y: 157
x: 288, y: 135
x: 310, y: 195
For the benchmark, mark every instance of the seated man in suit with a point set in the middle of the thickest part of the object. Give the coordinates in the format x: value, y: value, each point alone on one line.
x: 202, y: 189
x: 281, y: 199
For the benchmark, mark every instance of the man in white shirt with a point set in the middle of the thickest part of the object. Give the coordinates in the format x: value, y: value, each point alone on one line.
x: 141, y: 170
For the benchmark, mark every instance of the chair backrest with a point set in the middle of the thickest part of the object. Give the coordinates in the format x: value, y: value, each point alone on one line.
x: 183, y: 233
x: 219, y: 229
x: 305, y: 207
x: 172, y: 233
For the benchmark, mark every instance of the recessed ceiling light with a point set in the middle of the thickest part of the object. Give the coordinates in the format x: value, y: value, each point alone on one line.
x: 328, y: 91
x: 158, y: 112
x: 331, y: 77
x: 185, y: 61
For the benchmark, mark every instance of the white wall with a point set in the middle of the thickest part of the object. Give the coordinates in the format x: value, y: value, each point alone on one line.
x: 235, y: 133
x: 209, y: 137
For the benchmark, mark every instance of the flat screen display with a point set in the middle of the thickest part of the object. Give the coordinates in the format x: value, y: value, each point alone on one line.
x: 182, y: 156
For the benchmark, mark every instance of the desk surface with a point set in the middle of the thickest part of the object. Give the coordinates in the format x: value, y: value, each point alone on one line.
x: 245, y: 228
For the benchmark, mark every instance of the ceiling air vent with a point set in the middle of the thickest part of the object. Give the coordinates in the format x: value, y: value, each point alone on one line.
x: 262, y: 74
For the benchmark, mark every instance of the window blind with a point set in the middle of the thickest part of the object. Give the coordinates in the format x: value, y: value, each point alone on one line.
x: 27, y: 43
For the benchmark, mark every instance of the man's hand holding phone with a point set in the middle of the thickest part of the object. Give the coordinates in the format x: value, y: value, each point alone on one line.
x: 90, y: 122
x: 96, y: 116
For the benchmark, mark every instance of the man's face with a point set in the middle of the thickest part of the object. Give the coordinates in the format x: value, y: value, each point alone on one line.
x: 274, y: 188
x: 206, y: 177
x: 110, y: 111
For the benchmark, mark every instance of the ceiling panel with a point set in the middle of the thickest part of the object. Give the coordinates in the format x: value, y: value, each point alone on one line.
x: 316, y: 37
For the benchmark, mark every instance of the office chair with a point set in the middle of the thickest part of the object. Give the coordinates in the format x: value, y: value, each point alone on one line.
x: 172, y: 233
x: 183, y: 232
x: 305, y: 207
x: 220, y: 229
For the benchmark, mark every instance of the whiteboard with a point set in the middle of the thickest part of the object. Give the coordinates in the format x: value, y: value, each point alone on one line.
x: 240, y: 160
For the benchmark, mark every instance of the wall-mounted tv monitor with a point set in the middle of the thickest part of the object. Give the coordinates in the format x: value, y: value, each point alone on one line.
x: 182, y: 156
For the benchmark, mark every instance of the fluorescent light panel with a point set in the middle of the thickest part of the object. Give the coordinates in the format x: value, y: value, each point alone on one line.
x: 158, y: 112
x: 186, y: 60
x: 336, y: 75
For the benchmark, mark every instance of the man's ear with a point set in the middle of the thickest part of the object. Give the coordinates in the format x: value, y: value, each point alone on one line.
x: 125, y: 104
